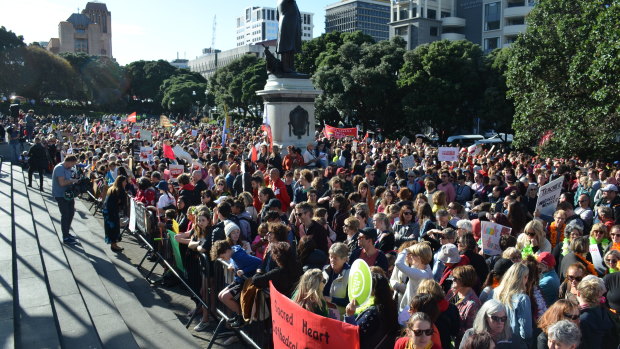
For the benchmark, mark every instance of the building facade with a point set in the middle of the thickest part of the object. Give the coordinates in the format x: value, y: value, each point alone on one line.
x: 89, y: 32
x: 371, y: 17
x: 212, y: 60
x: 503, y: 21
x: 260, y: 24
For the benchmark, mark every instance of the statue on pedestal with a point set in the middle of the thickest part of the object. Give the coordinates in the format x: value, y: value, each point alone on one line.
x: 289, y: 41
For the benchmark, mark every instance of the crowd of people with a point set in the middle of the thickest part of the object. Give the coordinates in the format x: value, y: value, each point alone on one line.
x: 300, y: 217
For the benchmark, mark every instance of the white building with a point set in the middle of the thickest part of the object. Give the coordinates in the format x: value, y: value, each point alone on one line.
x: 503, y: 21
x: 260, y: 24
x: 211, y: 60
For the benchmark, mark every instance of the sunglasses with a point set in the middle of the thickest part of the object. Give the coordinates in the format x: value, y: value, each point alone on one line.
x: 572, y: 317
x: 419, y: 333
x: 574, y: 278
x: 611, y: 261
x: 498, y: 318
x: 618, y: 234
x: 598, y: 232
x: 410, y: 213
x: 530, y: 234
x: 299, y: 214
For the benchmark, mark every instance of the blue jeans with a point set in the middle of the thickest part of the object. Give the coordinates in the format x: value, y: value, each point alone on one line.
x: 67, y: 210
x: 15, y: 151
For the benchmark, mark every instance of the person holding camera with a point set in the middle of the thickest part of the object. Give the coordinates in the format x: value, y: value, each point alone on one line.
x: 62, y: 183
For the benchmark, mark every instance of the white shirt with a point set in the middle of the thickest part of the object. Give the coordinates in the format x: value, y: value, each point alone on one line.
x: 165, y: 201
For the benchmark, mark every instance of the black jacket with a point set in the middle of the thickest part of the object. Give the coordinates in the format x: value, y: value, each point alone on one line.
x: 597, y: 328
x: 37, y: 156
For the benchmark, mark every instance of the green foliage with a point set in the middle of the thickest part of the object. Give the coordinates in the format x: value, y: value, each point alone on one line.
x: 146, y: 77
x: 11, y: 51
x: 234, y: 86
x: 47, y: 75
x: 358, y: 81
x: 101, y: 78
x: 564, y: 76
x: 313, y: 51
x: 442, y: 84
x: 180, y: 89
x: 496, y: 110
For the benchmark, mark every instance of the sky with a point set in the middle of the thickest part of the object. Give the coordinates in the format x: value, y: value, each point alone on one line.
x: 149, y: 30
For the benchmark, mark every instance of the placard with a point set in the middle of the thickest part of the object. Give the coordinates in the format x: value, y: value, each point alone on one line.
x: 146, y: 135
x: 176, y: 170
x: 360, y: 282
x: 194, y: 133
x: 140, y: 211
x: 490, y: 233
x: 136, y: 144
x: 178, y: 132
x: 146, y: 154
x: 296, y: 327
x: 548, y: 196
x: 182, y: 154
x: 132, y: 215
x: 404, y: 141
x: 407, y: 162
x: 448, y: 154
x: 335, y: 132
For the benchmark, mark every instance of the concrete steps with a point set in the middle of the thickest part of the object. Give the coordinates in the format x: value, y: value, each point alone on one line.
x: 58, y: 296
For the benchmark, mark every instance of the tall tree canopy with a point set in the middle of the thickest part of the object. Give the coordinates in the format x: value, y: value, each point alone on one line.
x: 564, y: 77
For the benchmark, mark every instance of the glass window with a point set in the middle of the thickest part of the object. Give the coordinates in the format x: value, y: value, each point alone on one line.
x: 490, y: 44
x: 433, y: 31
x: 492, y: 16
x: 431, y: 14
x: 402, y: 31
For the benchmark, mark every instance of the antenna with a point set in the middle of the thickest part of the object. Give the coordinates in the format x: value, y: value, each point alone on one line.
x: 213, y: 33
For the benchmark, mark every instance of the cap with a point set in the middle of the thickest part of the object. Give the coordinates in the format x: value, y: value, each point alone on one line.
x: 274, y: 203
x: 501, y: 266
x: 610, y: 187
x: 547, y: 259
x: 162, y: 185
x: 230, y: 227
x: 449, y: 253
x: 369, y: 233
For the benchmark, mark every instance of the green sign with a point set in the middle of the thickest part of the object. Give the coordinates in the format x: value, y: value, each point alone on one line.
x: 360, y: 282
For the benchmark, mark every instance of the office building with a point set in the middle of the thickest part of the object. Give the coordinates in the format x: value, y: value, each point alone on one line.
x: 503, y: 21
x: 211, y: 60
x: 89, y: 32
x: 371, y: 17
x: 260, y: 24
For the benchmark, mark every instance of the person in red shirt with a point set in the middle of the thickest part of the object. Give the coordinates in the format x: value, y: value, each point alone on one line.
x: 419, y: 333
x: 279, y: 189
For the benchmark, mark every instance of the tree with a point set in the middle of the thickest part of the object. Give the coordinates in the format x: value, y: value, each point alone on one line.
x: 442, y: 86
x: 101, y: 78
x: 496, y: 109
x: 178, y: 91
x: 46, y: 75
x: 145, y: 78
x: 359, y: 84
x: 564, y: 77
x: 234, y: 86
x: 11, y: 60
x: 313, y: 50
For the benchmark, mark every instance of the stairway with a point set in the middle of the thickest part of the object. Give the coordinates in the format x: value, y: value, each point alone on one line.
x: 58, y: 296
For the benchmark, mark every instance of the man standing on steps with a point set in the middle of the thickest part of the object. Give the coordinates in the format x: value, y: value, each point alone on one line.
x: 37, y: 161
x: 62, y: 179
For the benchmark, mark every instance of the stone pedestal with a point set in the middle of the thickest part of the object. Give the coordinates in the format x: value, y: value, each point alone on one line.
x: 290, y: 110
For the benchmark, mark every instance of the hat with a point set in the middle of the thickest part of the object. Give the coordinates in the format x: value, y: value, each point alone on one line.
x: 341, y: 170
x: 274, y: 203
x: 162, y: 185
x: 369, y: 233
x: 220, y: 199
x: 501, y: 266
x: 449, y: 253
x: 610, y: 187
x: 547, y: 259
x: 230, y: 227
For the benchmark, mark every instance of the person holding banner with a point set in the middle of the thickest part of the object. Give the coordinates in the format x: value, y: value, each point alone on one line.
x: 377, y: 318
x: 309, y: 292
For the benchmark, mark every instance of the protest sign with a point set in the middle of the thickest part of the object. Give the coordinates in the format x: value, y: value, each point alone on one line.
x: 548, y: 196
x: 448, y: 154
x: 354, y: 147
x: 296, y: 327
x: 182, y: 154
x: 404, y: 141
x: 490, y: 234
x: 176, y: 170
x: 407, y: 162
x: 146, y: 135
x: 360, y: 282
x: 194, y: 133
x: 146, y: 154
x: 335, y: 132
x: 140, y: 213
x: 178, y: 133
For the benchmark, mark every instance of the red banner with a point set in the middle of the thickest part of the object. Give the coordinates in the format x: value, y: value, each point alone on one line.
x: 296, y: 328
x: 338, y: 133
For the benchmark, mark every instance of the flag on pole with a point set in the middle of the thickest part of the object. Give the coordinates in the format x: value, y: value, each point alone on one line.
x: 226, y: 127
x: 266, y: 127
x: 85, y: 125
x: 132, y: 117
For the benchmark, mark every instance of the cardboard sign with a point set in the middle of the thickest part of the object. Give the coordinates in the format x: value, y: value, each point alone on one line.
x: 490, y: 234
x: 407, y: 162
x: 335, y: 132
x: 176, y: 170
x: 182, y: 154
x: 448, y: 154
x: 178, y: 133
x: 140, y: 213
x: 360, y: 282
x: 297, y: 328
x: 146, y: 135
x: 548, y: 196
x: 146, y: 154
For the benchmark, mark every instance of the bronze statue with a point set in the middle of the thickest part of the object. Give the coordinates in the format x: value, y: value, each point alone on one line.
x: 289, y: 38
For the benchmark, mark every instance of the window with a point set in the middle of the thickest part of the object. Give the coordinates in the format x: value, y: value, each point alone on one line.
x: 490, y: 44
x: 433, y: 31
x: 492, y: 15
x: 81, y: 45
x: 404, y: 14
x: 445, y: 14
x: 431, y: 14
x: 401, y: 31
